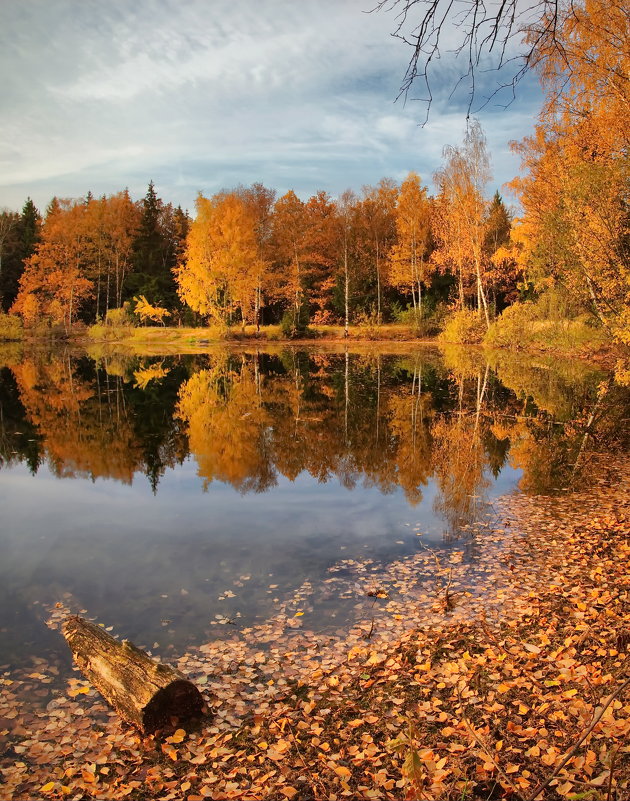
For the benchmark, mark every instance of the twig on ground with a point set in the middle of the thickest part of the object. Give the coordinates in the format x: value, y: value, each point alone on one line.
x: 599, y: 713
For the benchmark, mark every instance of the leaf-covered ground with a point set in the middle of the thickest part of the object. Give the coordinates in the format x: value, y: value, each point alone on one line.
x: 501, y: 677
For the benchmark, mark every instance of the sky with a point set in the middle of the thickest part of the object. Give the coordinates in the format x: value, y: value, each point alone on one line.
x: 203, y: 95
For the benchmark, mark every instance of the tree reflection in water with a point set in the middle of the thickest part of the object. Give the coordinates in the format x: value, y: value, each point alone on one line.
x: 250, y: 417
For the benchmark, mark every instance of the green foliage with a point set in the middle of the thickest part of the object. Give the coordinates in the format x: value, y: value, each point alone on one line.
x: 120, y: 317
x: 552, y: 322
x: 427, y: 324
x: 157, y: 248
x: 464, y: 327
x: 507, y: 330
x: 295, y: 323
x: 19, y: 234
x: 11, y: 328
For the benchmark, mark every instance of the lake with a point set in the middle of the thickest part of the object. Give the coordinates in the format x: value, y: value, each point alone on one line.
x: 176, y: 497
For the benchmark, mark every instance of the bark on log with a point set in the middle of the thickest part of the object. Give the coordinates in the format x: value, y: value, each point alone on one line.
x: 145, y: 693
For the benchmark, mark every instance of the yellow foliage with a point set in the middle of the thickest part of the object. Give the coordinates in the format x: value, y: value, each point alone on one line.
x: 145, y: 375
x: 148, y: 312
x: 222, y: 272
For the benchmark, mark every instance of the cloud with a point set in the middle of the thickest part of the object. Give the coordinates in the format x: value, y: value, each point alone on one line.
x: 202, y: 95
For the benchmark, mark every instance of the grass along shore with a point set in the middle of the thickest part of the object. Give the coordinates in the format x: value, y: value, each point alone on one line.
x: 504, y: 677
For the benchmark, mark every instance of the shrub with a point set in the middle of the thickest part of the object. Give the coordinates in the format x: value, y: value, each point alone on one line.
x: 120, y: 317
x: 536, y: 324
x: 430, y: 323
x: 367, y: 324
x: 11, y: 328
x: 509, y: 329
x: 295, y: 324
x: 464, y: 327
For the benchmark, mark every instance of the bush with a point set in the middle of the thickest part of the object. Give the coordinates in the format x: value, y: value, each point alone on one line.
x: 11, y: 328
x: 508, y: 330
x: 464, y: 327
x: 120, y: 317
x: 295, y: 324
x: 535, y: 324
x: 429, y: 323
x: 367, y: 324
x: 111, y: 333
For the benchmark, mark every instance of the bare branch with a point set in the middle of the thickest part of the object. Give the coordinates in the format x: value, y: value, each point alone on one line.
x: 483, y: 31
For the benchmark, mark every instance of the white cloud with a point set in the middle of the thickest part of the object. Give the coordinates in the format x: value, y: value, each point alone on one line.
x: 202, y: 95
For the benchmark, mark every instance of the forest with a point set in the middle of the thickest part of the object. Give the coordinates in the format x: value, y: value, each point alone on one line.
x: 459, y: 261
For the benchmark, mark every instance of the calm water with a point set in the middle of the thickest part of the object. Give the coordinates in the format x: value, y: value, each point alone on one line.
x: 163, y: 495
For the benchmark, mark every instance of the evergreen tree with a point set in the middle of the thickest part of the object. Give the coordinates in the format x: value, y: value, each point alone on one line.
x: 19, y: 244
x: 8, y: 241
x: 154, y: 253
x: 502, y: 272
x: 499, y: 225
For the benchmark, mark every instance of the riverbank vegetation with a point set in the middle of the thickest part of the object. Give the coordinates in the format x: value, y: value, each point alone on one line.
x: 555, y: 272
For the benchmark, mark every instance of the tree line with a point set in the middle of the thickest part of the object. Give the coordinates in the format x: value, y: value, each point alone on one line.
x: 249, y: 256
x: 88, y: 256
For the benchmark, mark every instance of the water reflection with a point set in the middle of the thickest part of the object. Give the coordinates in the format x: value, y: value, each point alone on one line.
x: 206, y: 486
x: 249, y: 417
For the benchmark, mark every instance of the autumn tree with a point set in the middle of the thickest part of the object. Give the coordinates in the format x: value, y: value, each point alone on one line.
x: 112, y: 224
x: 290, y: 247
x: 259, y: 200
x: 461, y: 214
x: 53, y: 285
x: 322, y: 245
x: 576, y: 166
x: 378, y: 218
x: 409, y: 257
x: 347, y: 207
x: 146, y: 311
x: 220, y: 275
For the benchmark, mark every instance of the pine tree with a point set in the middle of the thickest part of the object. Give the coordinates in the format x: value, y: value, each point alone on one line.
x: 154, y: 256
x: 18, y: 245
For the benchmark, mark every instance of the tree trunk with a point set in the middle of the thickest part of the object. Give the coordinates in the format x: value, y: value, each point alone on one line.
x: 70, y: 311
x: 346, y: 287
x: 378, y: 285
x: 145, y: 693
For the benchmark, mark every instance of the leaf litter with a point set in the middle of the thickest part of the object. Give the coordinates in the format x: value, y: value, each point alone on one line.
x: 502, y: 677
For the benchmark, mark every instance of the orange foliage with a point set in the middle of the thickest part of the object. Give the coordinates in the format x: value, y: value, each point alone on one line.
x: 409, y: 257
x: 222, y: 270
x: 53, y: 284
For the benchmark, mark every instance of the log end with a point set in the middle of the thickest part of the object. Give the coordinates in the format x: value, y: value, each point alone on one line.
x: 180, y: 699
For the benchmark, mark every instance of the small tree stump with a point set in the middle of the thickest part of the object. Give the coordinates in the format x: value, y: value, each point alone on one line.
x: 145, y: 693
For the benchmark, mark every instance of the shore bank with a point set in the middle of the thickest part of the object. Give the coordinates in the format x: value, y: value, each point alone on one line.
x: 479, y: 683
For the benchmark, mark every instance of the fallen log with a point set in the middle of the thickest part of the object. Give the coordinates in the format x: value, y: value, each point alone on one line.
x: 145, y: 693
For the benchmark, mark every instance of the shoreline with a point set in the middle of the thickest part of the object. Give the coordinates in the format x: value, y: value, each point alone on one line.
x: 156, y: 341
x: 416, y: 698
